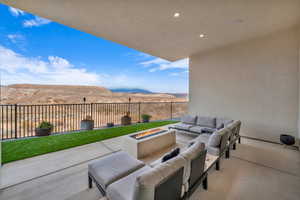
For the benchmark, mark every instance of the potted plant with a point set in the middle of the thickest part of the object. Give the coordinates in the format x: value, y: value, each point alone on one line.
x: 146, y: 117
x: 87, y: 123
x: 110, y: 124
x: 126, y: 119
x: 44, y: 128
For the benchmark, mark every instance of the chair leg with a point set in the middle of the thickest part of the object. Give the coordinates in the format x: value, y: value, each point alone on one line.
x: 90, y: 182
x: 218, y: 165
x: 205, y: 183
x: 234, y: 146
x: 227, y: 153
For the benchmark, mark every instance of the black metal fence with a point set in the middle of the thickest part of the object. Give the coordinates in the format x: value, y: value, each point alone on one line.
x: 19, y: 121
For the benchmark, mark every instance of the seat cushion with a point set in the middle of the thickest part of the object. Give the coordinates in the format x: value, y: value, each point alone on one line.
x: 189, y: 119
x: 203, y: 138
x: 222, y: 122
x: 206, y: 121
x: 113, y: 167
x: 196, y: 129
x: 183, y: 126
x: 124, y: 188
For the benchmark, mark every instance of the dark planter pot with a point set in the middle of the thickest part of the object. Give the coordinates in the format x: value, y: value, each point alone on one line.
x: 125, y: 120
x: 145, y: 120
x: 43, y: 131
x: 110, y: 124
x: 87, y: 125
x: 287, y: 139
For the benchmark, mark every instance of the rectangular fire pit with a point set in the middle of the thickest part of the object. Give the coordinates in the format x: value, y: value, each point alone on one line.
x: 145, y: 143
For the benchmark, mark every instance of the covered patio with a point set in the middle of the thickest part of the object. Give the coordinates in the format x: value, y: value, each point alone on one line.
x: 244, y: 63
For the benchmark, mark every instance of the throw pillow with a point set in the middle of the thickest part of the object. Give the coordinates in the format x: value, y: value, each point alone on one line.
x: 170, y: 155
x: 221, y: 126
x: 215, y: 139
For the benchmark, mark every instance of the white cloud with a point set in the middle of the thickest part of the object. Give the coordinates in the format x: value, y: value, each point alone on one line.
x: 37, y: 21
x: 16, y: 12
x: 157, y: 64
x: 15, y: 38
x: 16, y: 68
x: 179, y: 73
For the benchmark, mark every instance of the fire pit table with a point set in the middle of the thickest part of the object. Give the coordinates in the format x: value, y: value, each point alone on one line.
x: 145, y: 143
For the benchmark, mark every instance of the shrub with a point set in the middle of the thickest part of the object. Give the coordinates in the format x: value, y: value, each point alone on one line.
x: 146, y: 117
x: 45, y: 124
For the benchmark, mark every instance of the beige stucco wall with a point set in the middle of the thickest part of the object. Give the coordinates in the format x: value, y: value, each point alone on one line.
x: 255, y: 81
x: 299, y: 84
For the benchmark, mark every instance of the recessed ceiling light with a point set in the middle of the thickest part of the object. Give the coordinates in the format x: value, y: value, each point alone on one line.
x: 202, y: 35
x: 176, y: 15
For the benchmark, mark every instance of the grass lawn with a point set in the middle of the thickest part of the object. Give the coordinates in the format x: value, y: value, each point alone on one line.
x: 26, y: 148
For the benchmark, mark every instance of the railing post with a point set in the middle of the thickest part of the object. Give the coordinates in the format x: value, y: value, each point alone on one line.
x: 139, y: 112
x: 16, y: 121
x: 91, y: 110
x: 171, y: 110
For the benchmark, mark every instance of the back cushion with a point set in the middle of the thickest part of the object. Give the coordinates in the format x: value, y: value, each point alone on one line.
x: 189, y: 119
x: 215, y: 139
x: 222, y: 122
x: 206, y: 121
x: 149, y: 180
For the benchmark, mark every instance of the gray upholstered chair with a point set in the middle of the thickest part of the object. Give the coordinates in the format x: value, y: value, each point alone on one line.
x: 161, y: 182
x: 216, y: 143
x: 195, y: 156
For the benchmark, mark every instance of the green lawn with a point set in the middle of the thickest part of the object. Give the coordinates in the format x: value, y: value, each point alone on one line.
x: 26, y: 148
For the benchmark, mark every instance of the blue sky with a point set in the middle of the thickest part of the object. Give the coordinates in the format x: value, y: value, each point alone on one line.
x: 39, y: 51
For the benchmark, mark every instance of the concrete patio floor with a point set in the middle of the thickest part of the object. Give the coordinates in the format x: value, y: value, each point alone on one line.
x: 256, y: 170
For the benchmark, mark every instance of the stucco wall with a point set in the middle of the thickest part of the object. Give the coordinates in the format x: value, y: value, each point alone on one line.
x: 299, y: 84
x: 255, y: 81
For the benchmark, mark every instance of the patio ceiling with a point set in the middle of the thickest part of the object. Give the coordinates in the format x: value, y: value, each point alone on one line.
x: 150, y: 26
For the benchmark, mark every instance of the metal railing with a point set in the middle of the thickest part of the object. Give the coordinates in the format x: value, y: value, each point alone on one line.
x: 19, y: 121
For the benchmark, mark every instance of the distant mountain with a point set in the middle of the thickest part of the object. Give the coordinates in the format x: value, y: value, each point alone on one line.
x: 131, y: 90
x: 179, y: 95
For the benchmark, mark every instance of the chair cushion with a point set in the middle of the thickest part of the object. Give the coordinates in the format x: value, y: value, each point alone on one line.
x: 147, y: 181
x: 189, y: 119
x: 113, y: 167
x: 215, y: 139
x: 203, y: 138
x: 170, y: 155
x: 222, y: 122
x: 196, y: 129
x: 206, y: 121
x: 189, y: 154
x: 124, y: 188
x: 183, y: 126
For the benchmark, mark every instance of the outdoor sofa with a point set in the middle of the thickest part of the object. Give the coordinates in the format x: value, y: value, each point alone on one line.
x: 218, y: 134
x: 119, y: 176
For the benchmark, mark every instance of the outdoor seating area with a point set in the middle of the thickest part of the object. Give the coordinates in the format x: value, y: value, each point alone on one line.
x: 237, y: 178
x: 120, y: 176
x: 150, y: 100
